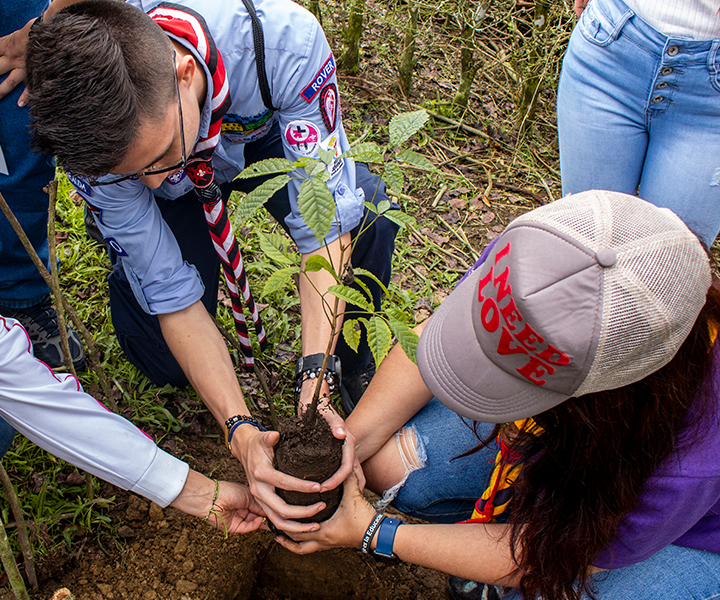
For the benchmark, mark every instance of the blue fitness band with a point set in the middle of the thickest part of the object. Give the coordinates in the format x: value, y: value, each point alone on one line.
x: 386, y: 537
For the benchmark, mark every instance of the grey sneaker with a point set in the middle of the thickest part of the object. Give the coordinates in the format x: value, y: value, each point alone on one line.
x: 40, y: 321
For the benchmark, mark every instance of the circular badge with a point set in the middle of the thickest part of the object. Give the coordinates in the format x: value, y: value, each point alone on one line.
x: 302, y: 136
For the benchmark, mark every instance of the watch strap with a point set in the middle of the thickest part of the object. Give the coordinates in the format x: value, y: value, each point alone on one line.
x: 386, y: 537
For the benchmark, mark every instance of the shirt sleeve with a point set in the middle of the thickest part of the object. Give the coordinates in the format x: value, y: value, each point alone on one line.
x: 131, y: 224
x: 304, y: 89
x: 53, y: 411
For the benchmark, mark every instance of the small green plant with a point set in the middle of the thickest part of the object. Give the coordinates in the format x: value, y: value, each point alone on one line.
x: 317, y: 207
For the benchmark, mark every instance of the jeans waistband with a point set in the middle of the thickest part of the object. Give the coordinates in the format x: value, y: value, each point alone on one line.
x: 689, y: 51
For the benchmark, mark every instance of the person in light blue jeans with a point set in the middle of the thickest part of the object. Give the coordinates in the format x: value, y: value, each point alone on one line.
x: 569, y: 384
x: 638, y: 112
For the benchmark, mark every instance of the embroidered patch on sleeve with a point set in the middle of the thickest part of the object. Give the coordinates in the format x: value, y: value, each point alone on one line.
x: 332, y: 142
x: 329, y: 106
x: 302, y: 136
x: 319, y: 80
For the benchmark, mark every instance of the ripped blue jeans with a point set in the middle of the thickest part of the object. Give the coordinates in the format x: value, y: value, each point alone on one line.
x: 638, y: 112
x: 443, y: 489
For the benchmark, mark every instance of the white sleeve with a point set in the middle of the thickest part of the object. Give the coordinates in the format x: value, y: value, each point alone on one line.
x: 53, y: 411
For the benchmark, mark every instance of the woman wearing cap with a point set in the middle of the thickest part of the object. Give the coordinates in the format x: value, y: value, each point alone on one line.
x: 586, y: 334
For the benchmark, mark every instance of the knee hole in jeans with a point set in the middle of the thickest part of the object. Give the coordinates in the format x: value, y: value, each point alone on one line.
x: 413, y: 457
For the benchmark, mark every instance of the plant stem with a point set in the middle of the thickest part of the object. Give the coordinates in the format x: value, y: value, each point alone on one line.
x: 79, y: 325
x: 11, y: 568
x: 51, y: 190
x: 21, y: 527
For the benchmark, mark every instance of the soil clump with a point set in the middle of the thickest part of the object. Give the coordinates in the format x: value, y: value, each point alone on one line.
x: 309, y: 452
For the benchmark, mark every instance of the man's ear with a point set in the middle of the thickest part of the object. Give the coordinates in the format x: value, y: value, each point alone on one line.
x: 186, y: 70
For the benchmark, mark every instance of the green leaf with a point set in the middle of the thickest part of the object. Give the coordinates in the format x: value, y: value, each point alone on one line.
x: 379, y: 338
x: 415, y: 160
x: 327, y: 156
x: 267, y: 167
x: 407, y: 337
x: 317, y: 168
x: 370, y: 206
x: 275, y: 246
x: 317, y: 262
x: 350, y: 296
x: 259, y: 196
x: 400, y: 218
x: 368, y: 152
x: 351, y: 333
x: 317, y: 206
x: 394, y: 178
x: 405, y: 125
x: 383, y: 206
x: 366, y: 273
x: 278, y: 280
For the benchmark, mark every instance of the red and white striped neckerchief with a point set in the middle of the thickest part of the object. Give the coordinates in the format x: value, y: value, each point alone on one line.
x: 186, y: 24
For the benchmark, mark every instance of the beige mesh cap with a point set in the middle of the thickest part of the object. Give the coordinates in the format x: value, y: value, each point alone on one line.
x: 591, y: 292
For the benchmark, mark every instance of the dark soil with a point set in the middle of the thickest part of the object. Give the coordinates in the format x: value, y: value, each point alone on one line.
x: 164, y: 554
x: 311, y: 454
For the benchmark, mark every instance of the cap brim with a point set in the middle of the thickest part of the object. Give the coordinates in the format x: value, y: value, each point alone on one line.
x: 456, y: 369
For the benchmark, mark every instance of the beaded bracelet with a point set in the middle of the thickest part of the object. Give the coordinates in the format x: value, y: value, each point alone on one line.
x: 309, y: 367
x: 234, y: 422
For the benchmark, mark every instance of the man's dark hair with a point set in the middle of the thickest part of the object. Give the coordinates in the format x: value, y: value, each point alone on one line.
x: 96, y: 71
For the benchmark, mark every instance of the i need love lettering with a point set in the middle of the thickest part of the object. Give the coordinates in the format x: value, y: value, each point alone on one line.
x: 517, y: 336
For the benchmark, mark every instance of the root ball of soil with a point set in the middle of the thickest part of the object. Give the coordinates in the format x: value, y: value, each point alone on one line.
x: 313, y: 454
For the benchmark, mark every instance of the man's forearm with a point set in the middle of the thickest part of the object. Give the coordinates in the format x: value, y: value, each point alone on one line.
x: 200, y: 351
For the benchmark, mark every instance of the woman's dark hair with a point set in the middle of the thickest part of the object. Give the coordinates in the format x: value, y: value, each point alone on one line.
x: 96, y: 71
x: 588, y: 469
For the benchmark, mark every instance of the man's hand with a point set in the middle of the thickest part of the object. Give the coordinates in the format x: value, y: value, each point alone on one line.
x: 235, y: 510
x: 12, y: 61
x: 255, y: 450
x: 579, y: 6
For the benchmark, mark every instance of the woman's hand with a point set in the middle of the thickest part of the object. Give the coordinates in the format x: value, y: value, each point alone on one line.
x: 345, y: 529
x: 233, y: 509
x: 579, y: 6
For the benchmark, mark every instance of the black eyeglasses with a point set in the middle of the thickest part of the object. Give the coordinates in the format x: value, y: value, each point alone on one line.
x: 151, y: 170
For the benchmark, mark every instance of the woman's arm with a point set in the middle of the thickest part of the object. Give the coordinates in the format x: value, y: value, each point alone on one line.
x: 480, y: 552
x: 396, y: 394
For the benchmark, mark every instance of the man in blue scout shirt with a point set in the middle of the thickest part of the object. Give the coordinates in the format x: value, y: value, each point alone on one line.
x: 141, y: 109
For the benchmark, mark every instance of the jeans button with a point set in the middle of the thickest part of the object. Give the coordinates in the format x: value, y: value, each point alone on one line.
x: 673, y: 50
x: 658, y: 99
x: 666, y: 70
x: 662, y: 85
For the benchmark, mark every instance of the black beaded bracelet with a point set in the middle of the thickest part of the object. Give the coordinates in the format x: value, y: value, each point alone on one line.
x: 309, y: 367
